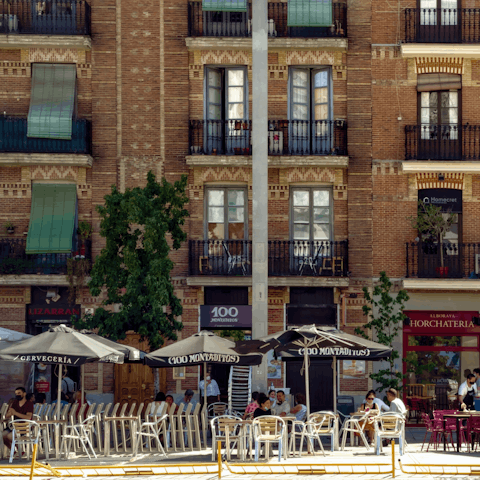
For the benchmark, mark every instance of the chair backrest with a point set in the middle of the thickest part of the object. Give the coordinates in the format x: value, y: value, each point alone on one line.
x: 73, y: 411
x: 81, y: 412
x: 106, y: 411
x: 123, y: 409
x: 131, y: 409
x: 88, y: 423
x: 268, y: 426
x: 217, y: 409
x: 325, y: 421
x: 90, y: 410
x: 99, y: 409
x: 196, y: 410
x: 219, y: 425
x: 427, y: 421
x: 115, y: 410
x: 4, y: 409
x: 474, y: 423
x: 188, y: 409
x: 140, y: 411
x: 64, y: 411
x: 391, y: 423
x: 25, y: 431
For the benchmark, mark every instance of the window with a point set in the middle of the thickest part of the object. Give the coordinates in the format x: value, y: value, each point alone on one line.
x: 225, y: 5
x: 226, y: 219
x: 429, y: 9
x: 310, y: 113
x: 226, y: 110
x: 310, y: 13
x: 439, y: 112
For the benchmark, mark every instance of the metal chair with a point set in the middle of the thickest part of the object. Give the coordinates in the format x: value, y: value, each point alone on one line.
x: 389, y: 425
x: 150, y: 430
x: 355, y: 425
x: 225, y: 429
x: 311, y: 431
x: 80, y: 432
x: 25, y: 433
x: 269, y: 429
x: 329, y: 427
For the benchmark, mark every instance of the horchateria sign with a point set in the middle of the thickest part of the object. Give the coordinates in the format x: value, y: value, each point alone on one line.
x: 437, y: 321
x: 204, y: 357
x: 226, y: 316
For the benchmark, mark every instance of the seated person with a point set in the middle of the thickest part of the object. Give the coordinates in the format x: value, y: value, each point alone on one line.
x: 369, y: 405
x: 156, y: 407
x: 251, y: 407
x: 40, y: 398
x: 281, y: 408
x: 272, y: 395
x: 187, y: 399
x: 396, y: 405
x: 300, y: 409
x: 383, y: 407
x: 264, y: 406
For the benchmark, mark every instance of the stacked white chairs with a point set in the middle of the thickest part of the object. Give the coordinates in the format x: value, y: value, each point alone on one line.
x: 184, y: 433
x: 193, y: 424
x: 80, y: 432
x: 389, y: 425
x: 270, y: 429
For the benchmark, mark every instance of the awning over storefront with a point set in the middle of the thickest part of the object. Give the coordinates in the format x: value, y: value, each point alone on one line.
x: 52, y: 218
x: 224, y: 5
x: 310, y: 13
x: 52, y: 101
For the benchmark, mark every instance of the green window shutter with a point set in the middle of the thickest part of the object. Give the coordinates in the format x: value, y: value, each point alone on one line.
x: 52, y: 218
x: 310, y: 13
x: 52, y: 101
x: 224, y: 5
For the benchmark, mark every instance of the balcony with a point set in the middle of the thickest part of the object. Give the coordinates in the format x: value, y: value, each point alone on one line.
x: 238, y: 24
x: 442, y: 25
x: 285, y: 258
x: 14, y: 260
x: 442, y: 142
x: 460, y: 260
x: 285, y: 137
x: 13, y: 138
x: 51, y: 17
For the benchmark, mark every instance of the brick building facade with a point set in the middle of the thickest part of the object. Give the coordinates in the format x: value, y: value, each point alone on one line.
x: 167, y: 87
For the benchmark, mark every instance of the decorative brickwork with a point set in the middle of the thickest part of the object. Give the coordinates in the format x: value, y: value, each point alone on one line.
x: 439, y: 65
x: 430, y: 180
x: 56, y: 55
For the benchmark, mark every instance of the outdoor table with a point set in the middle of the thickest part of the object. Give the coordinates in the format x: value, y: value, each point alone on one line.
x: 43, y: 428
x: 133, y: 431
x: 458, y: 416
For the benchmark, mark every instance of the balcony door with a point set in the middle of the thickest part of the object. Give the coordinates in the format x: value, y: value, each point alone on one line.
x: 440, y: 126
x: 311, y: 130
x: 54, y: 17
x: 227, y: 130
x: 439, y: 21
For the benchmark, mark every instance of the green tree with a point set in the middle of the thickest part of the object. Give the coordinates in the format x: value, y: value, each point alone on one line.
x: 385, y: 320
x: 134, y: 267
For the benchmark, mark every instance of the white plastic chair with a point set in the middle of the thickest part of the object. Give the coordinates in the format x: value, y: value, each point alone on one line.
x: 329, y: 427
x: 389, y: 425
x: 269, y: 429
x: 226, y: 430
x: 355, y: 425
x: 80, y: 432
x: 151, y: 430
x: 311, y: 431
x: 25, y: 433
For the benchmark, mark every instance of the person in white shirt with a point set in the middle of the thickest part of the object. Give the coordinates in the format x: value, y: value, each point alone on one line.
x: 282, y: 408
x: 467, y: 393
x: 396, y: 405
x: 213, y: 392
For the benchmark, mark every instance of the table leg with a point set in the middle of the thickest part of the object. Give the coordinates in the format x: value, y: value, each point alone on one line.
x: 106, y: 443
x: 459, y: 437
x: 444, y: 434
x: 57, y: 441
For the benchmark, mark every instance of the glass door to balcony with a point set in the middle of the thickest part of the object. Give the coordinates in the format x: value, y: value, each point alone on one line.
x: 440, y: 133
x: 438, y: 21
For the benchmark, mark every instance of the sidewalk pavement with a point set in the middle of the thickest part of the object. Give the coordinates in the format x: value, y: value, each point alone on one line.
x: 353, y: 455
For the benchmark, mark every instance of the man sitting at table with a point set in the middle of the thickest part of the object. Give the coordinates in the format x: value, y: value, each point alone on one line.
x: 467, y: 393
x: 281, y: 408
x: 21, y: 409
x: 396, y: 405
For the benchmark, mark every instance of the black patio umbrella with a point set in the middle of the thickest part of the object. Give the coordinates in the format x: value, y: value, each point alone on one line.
x: 61, y: 345
x: 312, y: 341
x: 201, y: 348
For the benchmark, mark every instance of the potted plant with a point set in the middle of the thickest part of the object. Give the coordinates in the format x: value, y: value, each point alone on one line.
x: 84, y: 230
x: 238, y: 125
x: 430, y: 221
x: 245, y: 125
x: 9, y: 227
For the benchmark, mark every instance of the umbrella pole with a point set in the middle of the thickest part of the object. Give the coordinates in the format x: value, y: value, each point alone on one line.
x: 204, y: 409
x: 83, y: 383
x: 307, y: 379
x: 59, y: 389
x: 334, y: 384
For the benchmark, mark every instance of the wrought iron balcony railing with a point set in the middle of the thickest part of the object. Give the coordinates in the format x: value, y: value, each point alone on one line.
x: 13, y: 138
x: 442, y: 25
x: 442, y: 142
x: 45, y: 17
x: 285, y: 258
x: 460, y: 260
x: 238, y: 24
x: 285, y: 137
x: 14, y: 260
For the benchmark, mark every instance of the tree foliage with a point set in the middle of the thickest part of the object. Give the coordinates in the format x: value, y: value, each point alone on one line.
x: 134, y: 267
x: 385, y: 320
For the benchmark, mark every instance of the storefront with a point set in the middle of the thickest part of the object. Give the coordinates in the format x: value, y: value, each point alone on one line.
x: 440, y: 348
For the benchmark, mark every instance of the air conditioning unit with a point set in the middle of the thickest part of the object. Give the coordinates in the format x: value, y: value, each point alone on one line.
x: 477, y: 263
x: 275, y: 142
x: 272, y: 32
x: 8, y: 23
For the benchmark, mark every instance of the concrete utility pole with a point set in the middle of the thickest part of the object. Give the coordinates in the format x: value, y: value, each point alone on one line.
x: 260, y: 182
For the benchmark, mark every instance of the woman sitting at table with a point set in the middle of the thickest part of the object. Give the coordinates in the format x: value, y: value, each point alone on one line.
x: 299, y: 410
x: 264, y: 408
x: 251, y: 407
x: 366, y: 407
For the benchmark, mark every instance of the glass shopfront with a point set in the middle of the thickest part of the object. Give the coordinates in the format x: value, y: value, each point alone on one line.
x: 441, y: 348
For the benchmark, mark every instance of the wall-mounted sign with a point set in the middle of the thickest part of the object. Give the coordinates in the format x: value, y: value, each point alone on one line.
x: 448, y: 198
x: 51, y: 312
x: 437, y: 322
x: 226, y: 316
